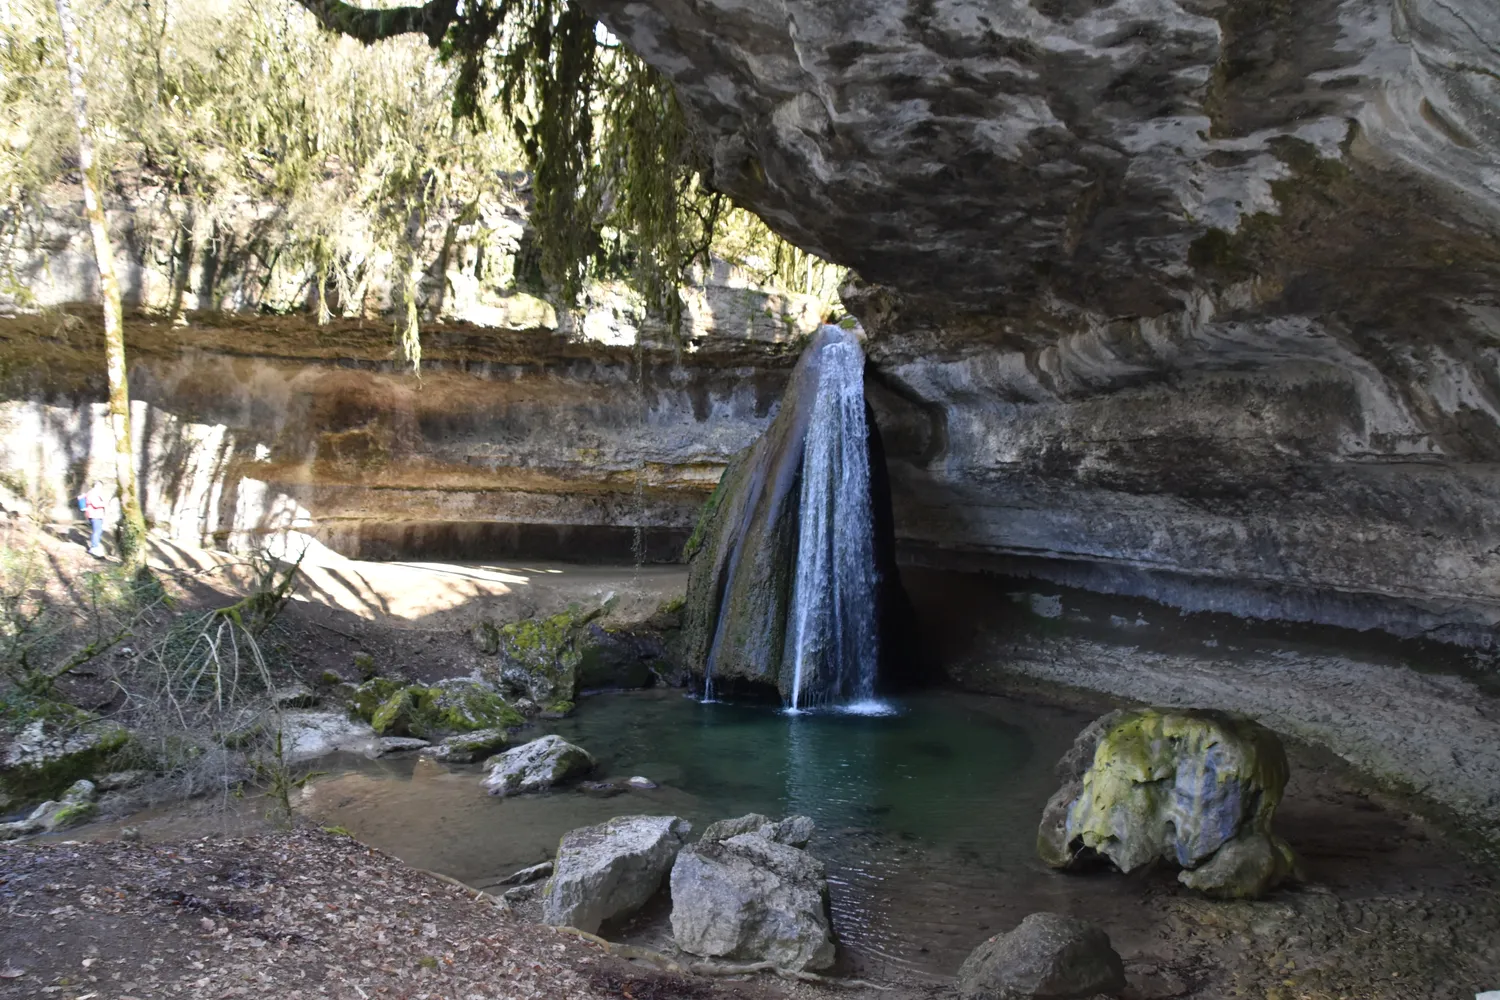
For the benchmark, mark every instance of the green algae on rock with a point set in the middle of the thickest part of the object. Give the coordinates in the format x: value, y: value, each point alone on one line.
x: 1195, y: 788
x: 50, y: 754
x: 459, y: 706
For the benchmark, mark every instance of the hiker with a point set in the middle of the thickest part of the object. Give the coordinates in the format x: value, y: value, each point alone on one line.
x: 93, y: 504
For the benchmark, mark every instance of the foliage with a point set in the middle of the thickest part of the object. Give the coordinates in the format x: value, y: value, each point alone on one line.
x: 348, y: 157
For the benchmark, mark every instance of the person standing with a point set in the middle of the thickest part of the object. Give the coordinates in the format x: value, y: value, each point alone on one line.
x: 94, y: 503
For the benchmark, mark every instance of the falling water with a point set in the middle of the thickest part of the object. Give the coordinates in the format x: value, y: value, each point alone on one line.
x: 832, y: 635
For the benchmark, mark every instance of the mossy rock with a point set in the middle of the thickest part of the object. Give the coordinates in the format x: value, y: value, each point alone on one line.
x: 396, y: 715
x: 540, y: 656
x: 1197, y: 789
x: 465, y: 748
x: 365, y: 664
x: 367, y: 698
x: 44, y: 758
x: 617, y: 658
x: 465, y: 707
x: 558, y: 710
x: 73, y: 814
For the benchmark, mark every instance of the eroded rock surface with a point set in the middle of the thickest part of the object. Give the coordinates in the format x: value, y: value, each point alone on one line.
x: 1195, y: 789
x: 609, y: 871
x: 747, y: 898
x: 537, y: 766
x: 1191, y: 299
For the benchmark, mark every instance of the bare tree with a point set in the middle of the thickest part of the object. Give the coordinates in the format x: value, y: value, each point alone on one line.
x: 132, y: 522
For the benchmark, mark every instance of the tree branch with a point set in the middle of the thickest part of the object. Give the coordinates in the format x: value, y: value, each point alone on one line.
x: 370, y: 25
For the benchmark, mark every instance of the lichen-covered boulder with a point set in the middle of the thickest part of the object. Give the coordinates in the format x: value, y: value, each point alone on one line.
x: 1195, y: 788
x: 751, y: 899
x: 610, y: 870
x: 464, y: 748
x: 537, y: 766
x: 1048, y: 957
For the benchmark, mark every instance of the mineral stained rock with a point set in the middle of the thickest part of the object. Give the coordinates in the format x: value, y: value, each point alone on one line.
x: 1197, y: 789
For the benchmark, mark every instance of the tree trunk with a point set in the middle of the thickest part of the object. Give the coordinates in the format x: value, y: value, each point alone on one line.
x: 132, y: 523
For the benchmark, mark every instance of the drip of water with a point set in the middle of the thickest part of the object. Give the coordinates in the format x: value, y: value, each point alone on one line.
x: 832, y: 636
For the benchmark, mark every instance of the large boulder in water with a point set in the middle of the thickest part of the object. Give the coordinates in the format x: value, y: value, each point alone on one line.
x: 751, y: 899
x: 1048, y: 957
x: 537, y: 766
x: 744, y: 551
x: 610, y: 870
x: 1197, y: 789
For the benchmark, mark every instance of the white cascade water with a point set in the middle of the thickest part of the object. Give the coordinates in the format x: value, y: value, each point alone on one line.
x: 832, y: 638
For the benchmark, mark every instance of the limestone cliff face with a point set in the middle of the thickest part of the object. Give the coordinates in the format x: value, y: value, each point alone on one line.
x: 511, y: 442
x: 1191, y: 298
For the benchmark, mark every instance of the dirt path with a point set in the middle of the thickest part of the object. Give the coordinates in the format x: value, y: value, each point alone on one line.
x: 298, y: 915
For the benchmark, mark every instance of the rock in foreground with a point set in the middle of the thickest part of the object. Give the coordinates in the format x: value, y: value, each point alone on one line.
x: 610, y: 870
x: 1197, y: 789
x: 1048, y: 957
x: 537, y: 766
x: 748, y: 898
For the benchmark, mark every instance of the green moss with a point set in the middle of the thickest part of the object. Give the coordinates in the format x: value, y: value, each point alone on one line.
x: 329, y: 679
x: 83, y: 751
x: 395, y: 715
x: 73, y: 814
x: 365, y: 664
x: 547, y: 651
x: 464, y: 708
x: 557, y: 710
x: 369, y: 696
x: 705, y: 523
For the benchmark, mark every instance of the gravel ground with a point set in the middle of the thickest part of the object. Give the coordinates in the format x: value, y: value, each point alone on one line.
x: 295, y: 915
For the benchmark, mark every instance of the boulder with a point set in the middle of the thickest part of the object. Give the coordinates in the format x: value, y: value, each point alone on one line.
x: 536, y: 766
x: 76, y: 807
x: 539, y: 657
x: 48, y: 755
x: 384, y: 746
x: 463, y: 706
x: 396, y: 715
x: 610, y: 870
x: 794, y: 831
x: 464, y: 748
x: 306, y: 735
x: 614, y: 656
x: 1047, y: 957
x: 748, y: 898
x: 726, y: 828
x: 1197, y: 789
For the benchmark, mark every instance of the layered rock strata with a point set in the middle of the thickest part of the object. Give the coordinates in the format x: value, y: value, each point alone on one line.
x: 1190, y: 298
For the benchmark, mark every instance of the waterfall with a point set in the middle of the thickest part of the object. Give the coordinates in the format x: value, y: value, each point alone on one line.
x: 832, y: 631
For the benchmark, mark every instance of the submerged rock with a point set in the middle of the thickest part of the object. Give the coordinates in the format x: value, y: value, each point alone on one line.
x: 537, y: 766
x: 609, y: 871
x: 1047, y: 957
x: 748, y: 898
x: 1195, y: 788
